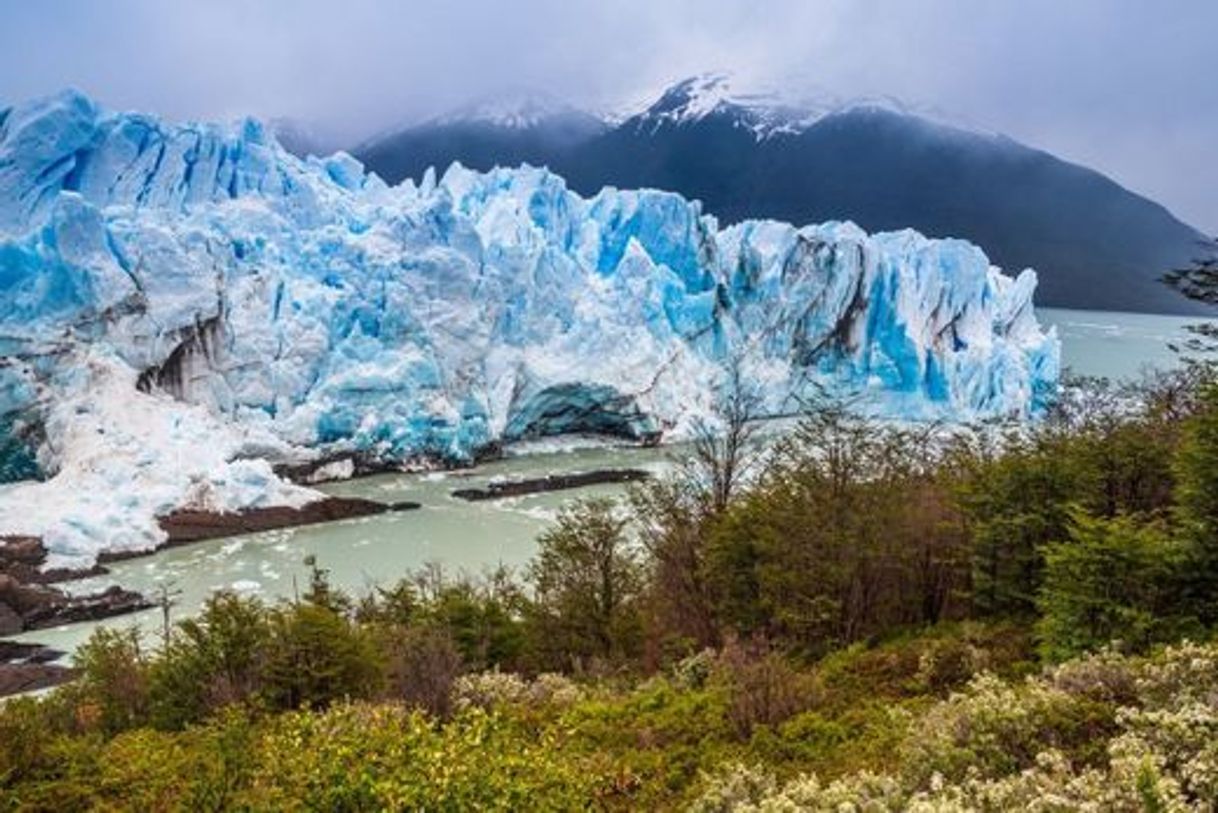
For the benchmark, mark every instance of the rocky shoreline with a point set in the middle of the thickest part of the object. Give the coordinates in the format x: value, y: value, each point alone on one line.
x: 30, y: 601
x: 30, y: 667
x: 186, y: 525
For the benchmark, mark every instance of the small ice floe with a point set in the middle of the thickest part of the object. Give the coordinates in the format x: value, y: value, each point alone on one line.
x: 537, y: 512
x: 343, y: 469
x: 230, y: 548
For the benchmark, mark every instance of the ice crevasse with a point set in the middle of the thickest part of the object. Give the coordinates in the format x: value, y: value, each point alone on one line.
x: 181, y: 306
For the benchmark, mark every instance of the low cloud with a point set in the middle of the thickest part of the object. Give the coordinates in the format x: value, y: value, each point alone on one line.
x: 1122, y: 86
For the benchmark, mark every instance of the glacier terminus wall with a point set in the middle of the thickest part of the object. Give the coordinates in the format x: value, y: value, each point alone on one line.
x: 181, y: 306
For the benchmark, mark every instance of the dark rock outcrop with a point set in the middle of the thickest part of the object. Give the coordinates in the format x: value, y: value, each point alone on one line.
x: 16, y: 678
x: 551, y: 482
x: 38, y: 606
x: 320, y: 470
x: 29, y: 667
x: 187, y: 525
x: 18, y: 652
x: 29, y: 602
x: 59, y: 608
x: 22, y: 558
x: 10, y: 621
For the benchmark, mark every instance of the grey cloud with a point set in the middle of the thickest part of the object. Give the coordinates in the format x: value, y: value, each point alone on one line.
x: 1120, y: 85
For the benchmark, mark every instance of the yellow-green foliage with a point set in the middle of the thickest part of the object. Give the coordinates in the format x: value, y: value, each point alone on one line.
x: 1105, y: 733
x: 905, y: 725
x: 512, y: 743
x: 380, y: 757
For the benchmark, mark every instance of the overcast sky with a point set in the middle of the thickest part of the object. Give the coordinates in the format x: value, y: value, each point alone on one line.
x: 1126, y: 87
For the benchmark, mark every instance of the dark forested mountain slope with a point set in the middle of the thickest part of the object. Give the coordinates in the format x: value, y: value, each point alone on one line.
x: 1094, y: 243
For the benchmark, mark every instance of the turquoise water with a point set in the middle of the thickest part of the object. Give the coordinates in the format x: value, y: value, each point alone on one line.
x: 473, y: 537
x: 1116, y: 345
x: 365, y: 552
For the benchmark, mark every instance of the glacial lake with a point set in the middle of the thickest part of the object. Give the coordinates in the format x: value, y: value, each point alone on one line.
x: 475, y: 537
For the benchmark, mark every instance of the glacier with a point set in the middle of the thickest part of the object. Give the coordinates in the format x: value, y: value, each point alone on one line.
x: 182, y: 306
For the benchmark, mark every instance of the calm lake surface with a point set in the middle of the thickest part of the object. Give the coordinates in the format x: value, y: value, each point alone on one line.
x: 474, y: 537
x: 1115, y: 345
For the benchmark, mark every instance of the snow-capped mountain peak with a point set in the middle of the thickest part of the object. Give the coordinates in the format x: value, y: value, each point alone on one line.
x: 516, y: 110
x: 693, y: 98
x: 766, y: 110
x: 763, y: 111
x: 697, y: 97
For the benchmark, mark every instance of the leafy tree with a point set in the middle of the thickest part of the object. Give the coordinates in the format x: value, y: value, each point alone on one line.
x: 1121, y: 437
x: 1016, y: 500
x: 725, y: 452
x: 113, y: 679
x: 1196, y: 468
x: 847, y: 533
x: 482, y: 617
x: 1199, y: 282
x: 320, y: 593
x: 421, y: 664
x: 1111, y: 580
x: 676, y: 513
x: 588, y: 580
x: 673, y: 528
x: 398, y: 604
x: 314, y: 657
x: 211, y: 661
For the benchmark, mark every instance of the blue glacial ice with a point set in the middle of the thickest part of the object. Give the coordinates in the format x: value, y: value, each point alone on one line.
x: 182, y: 305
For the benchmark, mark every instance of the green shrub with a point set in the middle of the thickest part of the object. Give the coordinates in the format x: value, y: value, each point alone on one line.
x: 1000, y: 746
x: 361, y: 757
x: 113, y: 681
x: 762, y: 687
x: 488, y: 690
x: 25, y: 739
x: 211, y: 661
x: 315, y: 656
x: 994, y: 728
x: 1113, y: 580
x: 421, y: 665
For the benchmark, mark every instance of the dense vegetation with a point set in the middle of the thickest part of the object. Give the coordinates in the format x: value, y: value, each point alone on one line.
x: 887, y: 617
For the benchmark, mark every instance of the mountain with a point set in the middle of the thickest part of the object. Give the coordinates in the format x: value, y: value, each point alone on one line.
x: 507, y: 131
x: 182, y: 306
x: 303, y: 139
x: 1094, y: 244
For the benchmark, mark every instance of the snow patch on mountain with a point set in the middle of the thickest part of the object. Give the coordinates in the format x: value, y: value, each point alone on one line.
x: 765, y: 109
x: 514, y: 110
